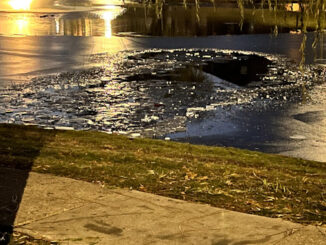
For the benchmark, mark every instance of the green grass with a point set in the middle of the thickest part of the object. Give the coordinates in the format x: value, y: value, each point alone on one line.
x: 241, y: 180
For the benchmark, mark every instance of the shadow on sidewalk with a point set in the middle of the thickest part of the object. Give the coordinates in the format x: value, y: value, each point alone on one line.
x: 18, y: 150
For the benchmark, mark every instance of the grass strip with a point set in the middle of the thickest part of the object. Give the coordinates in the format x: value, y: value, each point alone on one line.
x: 240, y: 180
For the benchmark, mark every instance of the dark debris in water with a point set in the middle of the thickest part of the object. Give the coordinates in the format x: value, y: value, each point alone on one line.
x: 154, y: 92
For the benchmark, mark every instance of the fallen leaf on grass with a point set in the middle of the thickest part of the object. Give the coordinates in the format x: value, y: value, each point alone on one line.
x: 253, y: 203
x: 234, y: 175
x: 228, y: 182
x: 270, y: 199
x: 108, y: 147
x: 190, y: 176
x: 202, y: 178
x: 237, y: 191
x: 142, y: 188
x: 203, y: 183
x: 305, y: 179
x: 150, y: 171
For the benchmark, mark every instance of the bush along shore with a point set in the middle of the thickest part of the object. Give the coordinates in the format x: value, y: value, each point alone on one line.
x: 240, y: 180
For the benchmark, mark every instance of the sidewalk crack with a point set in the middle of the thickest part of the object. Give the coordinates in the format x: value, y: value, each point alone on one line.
x: 289, y: 233
x: 19, y: 225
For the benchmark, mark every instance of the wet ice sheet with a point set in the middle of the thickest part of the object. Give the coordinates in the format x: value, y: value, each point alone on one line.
x: 151, y: 92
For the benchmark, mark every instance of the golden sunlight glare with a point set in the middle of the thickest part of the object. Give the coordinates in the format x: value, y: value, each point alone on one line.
x: 22, y: 26
x: 20, y: 4
x: 108, y: 17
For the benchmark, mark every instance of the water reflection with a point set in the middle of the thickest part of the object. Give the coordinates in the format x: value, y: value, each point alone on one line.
x: 68, y: 24
x: 108, y: 16
x: 41, y: 5
x: 98, y: 19
x: 21, y: 25
x: 15, y: 24
x: 52, y: 17
x: 295, y: 7
x: 177, y: 21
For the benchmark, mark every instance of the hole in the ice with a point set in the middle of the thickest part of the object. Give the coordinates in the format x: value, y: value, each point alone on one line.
x: 241, y: 70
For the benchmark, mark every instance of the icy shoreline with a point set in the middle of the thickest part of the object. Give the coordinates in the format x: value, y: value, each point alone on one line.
x: 144, y: 93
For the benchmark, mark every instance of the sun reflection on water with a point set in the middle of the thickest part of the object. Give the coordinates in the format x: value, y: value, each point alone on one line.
x: 22, y: 26
x: 110, y: 14
x: 108, y: 17
x: 18, y: 24
x: 20, y: 4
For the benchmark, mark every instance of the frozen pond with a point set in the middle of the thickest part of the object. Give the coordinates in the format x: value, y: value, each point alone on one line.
x: 93, y: 65
x: 156, y: 92
x: 39, y: 37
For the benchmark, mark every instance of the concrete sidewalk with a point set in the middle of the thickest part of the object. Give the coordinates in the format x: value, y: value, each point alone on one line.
x: 76, y: 212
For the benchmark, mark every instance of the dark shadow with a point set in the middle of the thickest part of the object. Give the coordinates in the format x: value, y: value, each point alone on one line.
x: 310, y: 117
x: 241, y: 70
x: 19, y: 147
